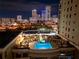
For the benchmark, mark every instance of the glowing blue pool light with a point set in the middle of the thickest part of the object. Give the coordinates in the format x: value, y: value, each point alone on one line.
x: 41, y: 45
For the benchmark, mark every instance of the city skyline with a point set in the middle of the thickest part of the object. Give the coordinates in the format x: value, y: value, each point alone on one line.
x: 11, y: 9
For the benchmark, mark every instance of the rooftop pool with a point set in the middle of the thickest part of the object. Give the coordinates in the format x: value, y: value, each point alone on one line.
x: 43, y: 45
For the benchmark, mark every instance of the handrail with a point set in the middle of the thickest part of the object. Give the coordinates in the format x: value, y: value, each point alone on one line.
x: 44, y: 50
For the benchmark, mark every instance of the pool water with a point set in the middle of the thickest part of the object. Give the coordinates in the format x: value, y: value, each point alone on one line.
x: 43, y: 45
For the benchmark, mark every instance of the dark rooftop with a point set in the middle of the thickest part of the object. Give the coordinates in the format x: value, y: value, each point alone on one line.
x: 7, y: 37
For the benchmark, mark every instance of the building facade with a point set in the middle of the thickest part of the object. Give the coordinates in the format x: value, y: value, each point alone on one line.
x: 69, y: 21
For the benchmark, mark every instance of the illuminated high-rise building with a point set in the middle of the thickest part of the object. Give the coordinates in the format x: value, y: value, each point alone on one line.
x: 5, y: 21
x: 34, y: 17
x: 55, y: 18
x: 34, y: 13
x: 43, y: 14
x: 48, y: 12
x: 19, y: 17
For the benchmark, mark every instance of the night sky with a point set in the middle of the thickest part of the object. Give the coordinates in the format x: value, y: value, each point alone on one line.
x: 11, y: 8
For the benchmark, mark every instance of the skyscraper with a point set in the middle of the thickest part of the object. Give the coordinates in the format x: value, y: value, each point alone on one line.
x: 43, y: 15
x: 19, y: 17
x: 34, y: 13
x: 48, y: 12
x: 34, y: 17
